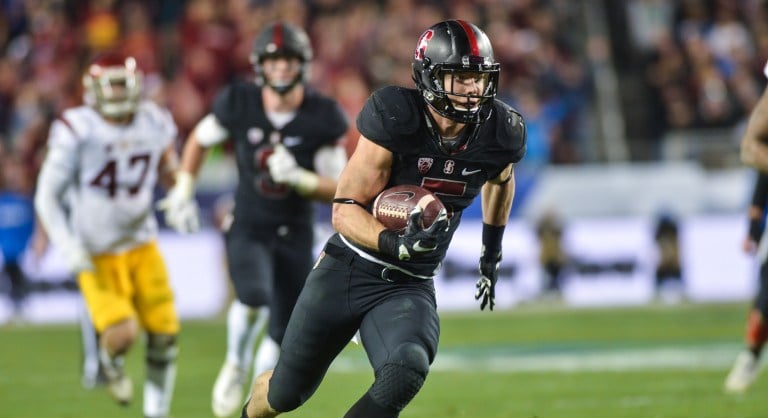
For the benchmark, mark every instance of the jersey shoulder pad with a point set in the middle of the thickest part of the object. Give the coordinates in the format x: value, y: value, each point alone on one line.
x: 161, y: 120
x: 80, y: 121
x: 328, y: 112
x: 390, y: 112
x: 511, y: 130
x: 236, y: 101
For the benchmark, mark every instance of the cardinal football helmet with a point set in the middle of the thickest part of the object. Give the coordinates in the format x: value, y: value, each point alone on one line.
x: 461, y: 50
x: 281, y: 39
x: 113, y: 84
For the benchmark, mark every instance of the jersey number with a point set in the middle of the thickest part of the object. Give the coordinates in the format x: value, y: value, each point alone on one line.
x: 107, y: 177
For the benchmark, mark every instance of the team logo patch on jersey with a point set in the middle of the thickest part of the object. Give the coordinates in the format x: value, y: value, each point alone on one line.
x: 425, y: 164
x: 255, y: 135
x: 448, y: 166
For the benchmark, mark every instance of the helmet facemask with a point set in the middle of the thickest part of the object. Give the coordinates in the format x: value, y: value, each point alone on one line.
x: 447, y: 97
x: 114, y: 90
x: 284, y: 86
x: 281, y: 40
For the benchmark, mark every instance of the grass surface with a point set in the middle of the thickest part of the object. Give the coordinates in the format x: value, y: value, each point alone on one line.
x: 533, y: 361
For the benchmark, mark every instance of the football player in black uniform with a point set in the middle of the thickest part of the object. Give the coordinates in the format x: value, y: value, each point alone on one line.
x: 746, y: 368
x: 287, y: 146
x: 451, y: 136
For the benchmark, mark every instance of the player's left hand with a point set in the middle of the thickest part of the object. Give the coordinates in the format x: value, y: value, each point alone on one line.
x: 284, y: 169
x: 184, y: 217
x: 489, y: 273
x: 179, y: 205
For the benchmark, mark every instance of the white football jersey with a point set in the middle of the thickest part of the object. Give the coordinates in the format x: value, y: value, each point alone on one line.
x: 106, y: 173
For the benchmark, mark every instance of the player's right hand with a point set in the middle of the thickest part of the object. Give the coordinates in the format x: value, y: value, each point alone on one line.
x: 78, y: 260
x: 416, y: 241
x: 179, y: 207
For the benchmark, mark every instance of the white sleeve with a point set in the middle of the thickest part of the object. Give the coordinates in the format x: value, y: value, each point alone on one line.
x: 209, y: 131
x: 57, y: 174
x: 330, y: 161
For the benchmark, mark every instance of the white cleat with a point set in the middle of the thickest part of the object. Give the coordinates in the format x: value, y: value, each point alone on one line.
x: 743, y: 373
x: 121, y: 389
x: 228, y: 391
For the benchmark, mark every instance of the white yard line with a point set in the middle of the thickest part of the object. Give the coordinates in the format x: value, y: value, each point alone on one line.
x: 710, y: 357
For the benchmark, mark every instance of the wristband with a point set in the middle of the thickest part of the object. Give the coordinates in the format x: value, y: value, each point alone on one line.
x: 388, y: 242
x: 306, y: 183
x: 756, y: 228
x: 185, y: 184
x: 492, y: 236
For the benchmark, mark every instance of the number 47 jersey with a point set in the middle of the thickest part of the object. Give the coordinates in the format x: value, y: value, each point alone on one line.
x: 109, y: 172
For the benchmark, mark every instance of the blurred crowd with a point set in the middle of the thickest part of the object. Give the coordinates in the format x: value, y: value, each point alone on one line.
x: 189, y: 49
x: 702, y: 59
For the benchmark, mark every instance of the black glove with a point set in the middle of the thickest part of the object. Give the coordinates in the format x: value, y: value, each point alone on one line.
x: 415, y: 241
x: 489, y: 274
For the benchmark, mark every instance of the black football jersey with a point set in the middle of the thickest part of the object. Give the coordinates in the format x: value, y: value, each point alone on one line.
x: 396, y: 119
x: 319, y: 121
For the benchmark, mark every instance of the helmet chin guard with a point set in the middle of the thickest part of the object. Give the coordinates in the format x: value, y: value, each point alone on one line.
x: 456, y: 50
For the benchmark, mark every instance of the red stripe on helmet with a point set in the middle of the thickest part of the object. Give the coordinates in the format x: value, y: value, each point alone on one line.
x: 277, y: 36
x: 470, y: 36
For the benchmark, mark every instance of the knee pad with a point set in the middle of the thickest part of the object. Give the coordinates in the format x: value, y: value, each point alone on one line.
x: 401, y: 378
x: 161, y: 348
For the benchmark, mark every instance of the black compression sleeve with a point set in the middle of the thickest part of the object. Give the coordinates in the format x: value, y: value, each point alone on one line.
x: 492, y: 236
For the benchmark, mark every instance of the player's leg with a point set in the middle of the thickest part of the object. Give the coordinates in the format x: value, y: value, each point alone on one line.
x: 154, y: 302
x: 293, y: 261
x: 400, y: 336
x: 747, y: 365
x: 250, y: 269
x: 107, y: 292
x: 92, y: 374
x: 319, y: 328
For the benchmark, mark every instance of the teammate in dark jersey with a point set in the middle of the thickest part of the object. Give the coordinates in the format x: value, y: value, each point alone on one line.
x: 451, y: 136
x: 747, y: 365
x: 287, y: 146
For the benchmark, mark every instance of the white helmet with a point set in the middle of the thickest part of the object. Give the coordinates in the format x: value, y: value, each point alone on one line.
x: 113, y: 84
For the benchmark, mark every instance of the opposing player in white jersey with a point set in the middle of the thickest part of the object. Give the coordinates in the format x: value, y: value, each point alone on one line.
x: 95, y: 199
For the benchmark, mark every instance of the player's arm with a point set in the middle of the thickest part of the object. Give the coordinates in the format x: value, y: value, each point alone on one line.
x: 320, y: 184
x: 179, y: 204
x: 496, y: 200
x: 329, y: 163
x: 497, y: 197
x: 364, y: 176
x: 754, y: 143
x: 169, y: 165
x: 56, y: 176
x: 756, y: 213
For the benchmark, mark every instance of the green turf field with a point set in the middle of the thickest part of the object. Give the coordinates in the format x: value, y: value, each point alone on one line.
x: 533, y: 361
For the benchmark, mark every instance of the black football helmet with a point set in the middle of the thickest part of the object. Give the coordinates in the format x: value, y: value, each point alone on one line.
x: 461, y: 49
x: 281, y: 39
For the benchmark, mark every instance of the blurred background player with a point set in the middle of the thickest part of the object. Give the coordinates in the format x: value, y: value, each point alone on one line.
x: 552, y: 255
x: 746, y: 367
x: 104, y: 160
x: 17, y: 228
x: 287, y: 142
x: 669, y: 284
